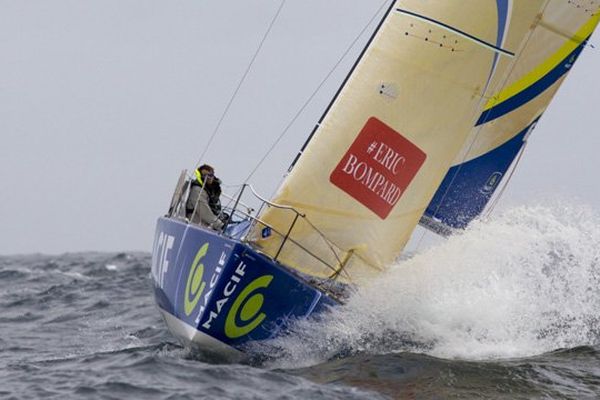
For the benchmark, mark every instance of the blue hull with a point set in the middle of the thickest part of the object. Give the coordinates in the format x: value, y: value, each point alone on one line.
x: 218, y: 294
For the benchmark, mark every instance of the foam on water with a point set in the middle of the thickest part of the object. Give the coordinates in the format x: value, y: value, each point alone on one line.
x: 523, y: 283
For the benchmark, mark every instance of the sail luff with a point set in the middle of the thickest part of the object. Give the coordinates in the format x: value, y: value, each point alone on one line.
x: 339, y: 90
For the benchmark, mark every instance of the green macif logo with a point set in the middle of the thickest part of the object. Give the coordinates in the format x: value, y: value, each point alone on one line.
x: 246, y: 308
x: 194, y: 286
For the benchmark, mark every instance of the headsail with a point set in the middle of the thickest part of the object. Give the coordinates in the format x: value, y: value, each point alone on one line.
x: 388, y: 139
x: 509, y: 116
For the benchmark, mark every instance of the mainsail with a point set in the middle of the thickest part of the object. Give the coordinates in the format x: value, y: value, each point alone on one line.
x: 386, y: 142
x: 510, y: 115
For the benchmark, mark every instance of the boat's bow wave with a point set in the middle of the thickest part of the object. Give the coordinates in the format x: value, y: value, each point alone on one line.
x: 521, y: 284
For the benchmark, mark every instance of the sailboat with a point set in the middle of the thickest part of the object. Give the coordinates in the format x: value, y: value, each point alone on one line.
x: 425, y: 129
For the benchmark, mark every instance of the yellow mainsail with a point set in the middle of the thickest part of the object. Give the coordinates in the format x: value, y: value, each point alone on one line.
x: 389, y: 137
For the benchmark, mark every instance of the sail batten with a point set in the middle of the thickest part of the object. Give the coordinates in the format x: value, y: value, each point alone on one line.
x: 452, y: 29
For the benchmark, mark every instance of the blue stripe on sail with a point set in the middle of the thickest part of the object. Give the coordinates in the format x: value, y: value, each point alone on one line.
x: 468, y: 187
x: 532, y: 91
x: 502, y: 6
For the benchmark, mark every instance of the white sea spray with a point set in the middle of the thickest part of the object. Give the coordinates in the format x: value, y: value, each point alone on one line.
x: 522, y: 283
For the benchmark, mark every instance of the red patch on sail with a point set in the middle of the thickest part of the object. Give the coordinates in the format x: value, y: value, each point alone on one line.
x: 378, y: 167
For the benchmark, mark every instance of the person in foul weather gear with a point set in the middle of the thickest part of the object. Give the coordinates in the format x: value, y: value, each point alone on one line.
x: 213, y: 190
x: 198, y: 207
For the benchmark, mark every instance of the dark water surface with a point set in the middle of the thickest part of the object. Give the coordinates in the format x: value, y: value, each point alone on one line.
x: 85, y: 326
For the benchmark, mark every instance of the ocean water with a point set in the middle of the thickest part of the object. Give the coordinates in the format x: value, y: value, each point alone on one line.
x: 510, y: 309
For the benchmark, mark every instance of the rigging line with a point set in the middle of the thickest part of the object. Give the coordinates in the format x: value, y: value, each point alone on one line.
x: 494, y: 203
x: 237, y: 89
x: 342, y: 86
x: 289, y: 125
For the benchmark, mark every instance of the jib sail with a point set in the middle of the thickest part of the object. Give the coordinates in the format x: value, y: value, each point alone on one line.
x: 511, y: 113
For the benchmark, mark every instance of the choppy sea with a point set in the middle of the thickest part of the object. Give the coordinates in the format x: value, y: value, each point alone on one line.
x: 509, y: 309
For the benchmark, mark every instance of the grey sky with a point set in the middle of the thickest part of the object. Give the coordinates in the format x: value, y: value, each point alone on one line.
x: 103, y: 102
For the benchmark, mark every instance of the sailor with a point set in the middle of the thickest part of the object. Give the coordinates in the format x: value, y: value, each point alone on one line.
x: 203, y: 205
x: 213, y: 189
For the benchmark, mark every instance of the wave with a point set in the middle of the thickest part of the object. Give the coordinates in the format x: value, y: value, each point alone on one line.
x: 519, y: 284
